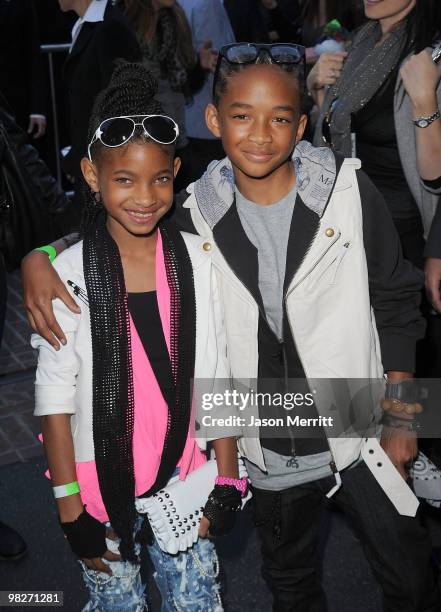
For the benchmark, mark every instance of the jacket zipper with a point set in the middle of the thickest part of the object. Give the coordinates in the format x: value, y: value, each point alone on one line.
x: 293, y: 461
x: 332, y: 463
x: 80, y: 293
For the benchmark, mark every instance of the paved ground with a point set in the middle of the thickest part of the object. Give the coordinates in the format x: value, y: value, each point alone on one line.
x: 27, y: 504
x: 18, y: 428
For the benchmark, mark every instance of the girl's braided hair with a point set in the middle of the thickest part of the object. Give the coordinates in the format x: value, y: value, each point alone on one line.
x: 130, y: 92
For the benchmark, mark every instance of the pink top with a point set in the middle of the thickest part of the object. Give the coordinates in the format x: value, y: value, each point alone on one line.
x: 151, y: 413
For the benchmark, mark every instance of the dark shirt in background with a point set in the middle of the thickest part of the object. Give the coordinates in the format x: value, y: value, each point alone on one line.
x: 377, y: 148
x: 22, y: 79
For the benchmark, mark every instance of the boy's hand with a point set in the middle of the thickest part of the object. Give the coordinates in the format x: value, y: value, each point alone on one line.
x: 401, y: 447
x: 41, y: 285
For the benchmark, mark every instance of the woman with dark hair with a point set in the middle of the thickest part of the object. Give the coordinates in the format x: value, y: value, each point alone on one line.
x: 384, y: 110
x: 165, y: 39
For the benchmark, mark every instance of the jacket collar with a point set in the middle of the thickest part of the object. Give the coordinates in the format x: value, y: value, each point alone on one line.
x: 316, y: 171
x: 240, y: 254
x: 95, y: 13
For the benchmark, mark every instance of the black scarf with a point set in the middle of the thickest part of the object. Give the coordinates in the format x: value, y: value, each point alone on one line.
x: 113, y: 396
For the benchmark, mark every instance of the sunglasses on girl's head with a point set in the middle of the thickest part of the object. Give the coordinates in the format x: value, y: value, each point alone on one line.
x: 117, y: 131
x: 248, y: 53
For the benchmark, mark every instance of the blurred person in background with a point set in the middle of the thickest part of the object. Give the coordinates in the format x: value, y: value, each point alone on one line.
x: 247, y: 19
x: 304, y: 21
x: 314, y: 17
x: 208, y: 20
x: 22, y: 174
x: 165, y: 39
x: 55, y: 29
x: 21, y: 67
x: 100, y: 35
x: 383, y: 107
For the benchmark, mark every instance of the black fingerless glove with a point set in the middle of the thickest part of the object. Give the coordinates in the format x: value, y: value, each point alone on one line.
x: 223, y: 504
x: 86, y: 536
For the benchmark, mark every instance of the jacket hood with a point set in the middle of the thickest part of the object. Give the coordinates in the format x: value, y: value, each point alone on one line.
x: 316, y: 172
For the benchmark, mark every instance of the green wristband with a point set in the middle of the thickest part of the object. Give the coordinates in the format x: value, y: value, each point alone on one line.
x: 50, y: 251
x: 65, y: 490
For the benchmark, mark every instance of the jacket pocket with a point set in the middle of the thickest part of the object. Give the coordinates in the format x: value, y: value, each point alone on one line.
x: 338, y: 261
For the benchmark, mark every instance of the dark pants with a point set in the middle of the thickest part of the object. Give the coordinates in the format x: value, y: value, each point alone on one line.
x: 397, y: 547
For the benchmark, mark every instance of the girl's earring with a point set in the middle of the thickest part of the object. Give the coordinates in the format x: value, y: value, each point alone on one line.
x: 97, y: 197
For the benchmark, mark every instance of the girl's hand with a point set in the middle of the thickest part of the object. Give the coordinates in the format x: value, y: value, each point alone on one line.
x: 223, y: 504
x: 208, y: 56
x: 326, y: 71
x: 97, y: 564
x: 41, y: 285
x: 87, y: 538
x: 420, y: 77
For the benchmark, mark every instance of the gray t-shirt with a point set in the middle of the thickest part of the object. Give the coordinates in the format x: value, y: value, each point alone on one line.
x: 267, y: 228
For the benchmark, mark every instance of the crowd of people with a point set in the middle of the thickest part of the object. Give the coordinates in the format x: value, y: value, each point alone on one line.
x: 257, y: 188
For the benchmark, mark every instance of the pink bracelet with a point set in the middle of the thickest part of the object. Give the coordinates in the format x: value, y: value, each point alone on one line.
x: 241, y: 484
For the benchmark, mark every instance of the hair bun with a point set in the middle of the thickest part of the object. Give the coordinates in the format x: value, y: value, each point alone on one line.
x: 131, y: 91
x: 135, y: 74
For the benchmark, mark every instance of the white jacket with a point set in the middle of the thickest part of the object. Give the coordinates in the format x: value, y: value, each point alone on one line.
x: 64, y: 378
x: 331, y: 320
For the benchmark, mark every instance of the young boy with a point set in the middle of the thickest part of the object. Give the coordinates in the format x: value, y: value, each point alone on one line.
x: 305, y: 251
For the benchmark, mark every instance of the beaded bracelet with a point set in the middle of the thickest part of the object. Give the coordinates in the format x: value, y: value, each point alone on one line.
x: 396, y: 405
x: 241, y: 484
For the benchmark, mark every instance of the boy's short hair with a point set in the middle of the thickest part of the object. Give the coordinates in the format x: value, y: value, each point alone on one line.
x: 227, y: 70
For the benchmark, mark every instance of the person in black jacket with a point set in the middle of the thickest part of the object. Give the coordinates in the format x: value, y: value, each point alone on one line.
x: 22, y: 79
x: 100, y: 36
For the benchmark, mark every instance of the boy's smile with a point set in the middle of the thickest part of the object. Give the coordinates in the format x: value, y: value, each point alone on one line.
x: 259, y: 121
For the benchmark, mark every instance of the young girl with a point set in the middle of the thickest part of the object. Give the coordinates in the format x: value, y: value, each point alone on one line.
x: 116, y: 398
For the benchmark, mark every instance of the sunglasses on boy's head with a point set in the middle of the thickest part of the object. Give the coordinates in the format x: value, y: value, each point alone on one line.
x: 117, y: 131
x: 248, y: 53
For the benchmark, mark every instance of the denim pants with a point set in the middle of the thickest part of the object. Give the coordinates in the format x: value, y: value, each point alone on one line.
x: 187, y: 581
x: 397, y: 547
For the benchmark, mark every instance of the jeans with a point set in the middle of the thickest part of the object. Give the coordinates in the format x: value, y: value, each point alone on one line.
x: 187, y: 581
x: 397, y: 547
